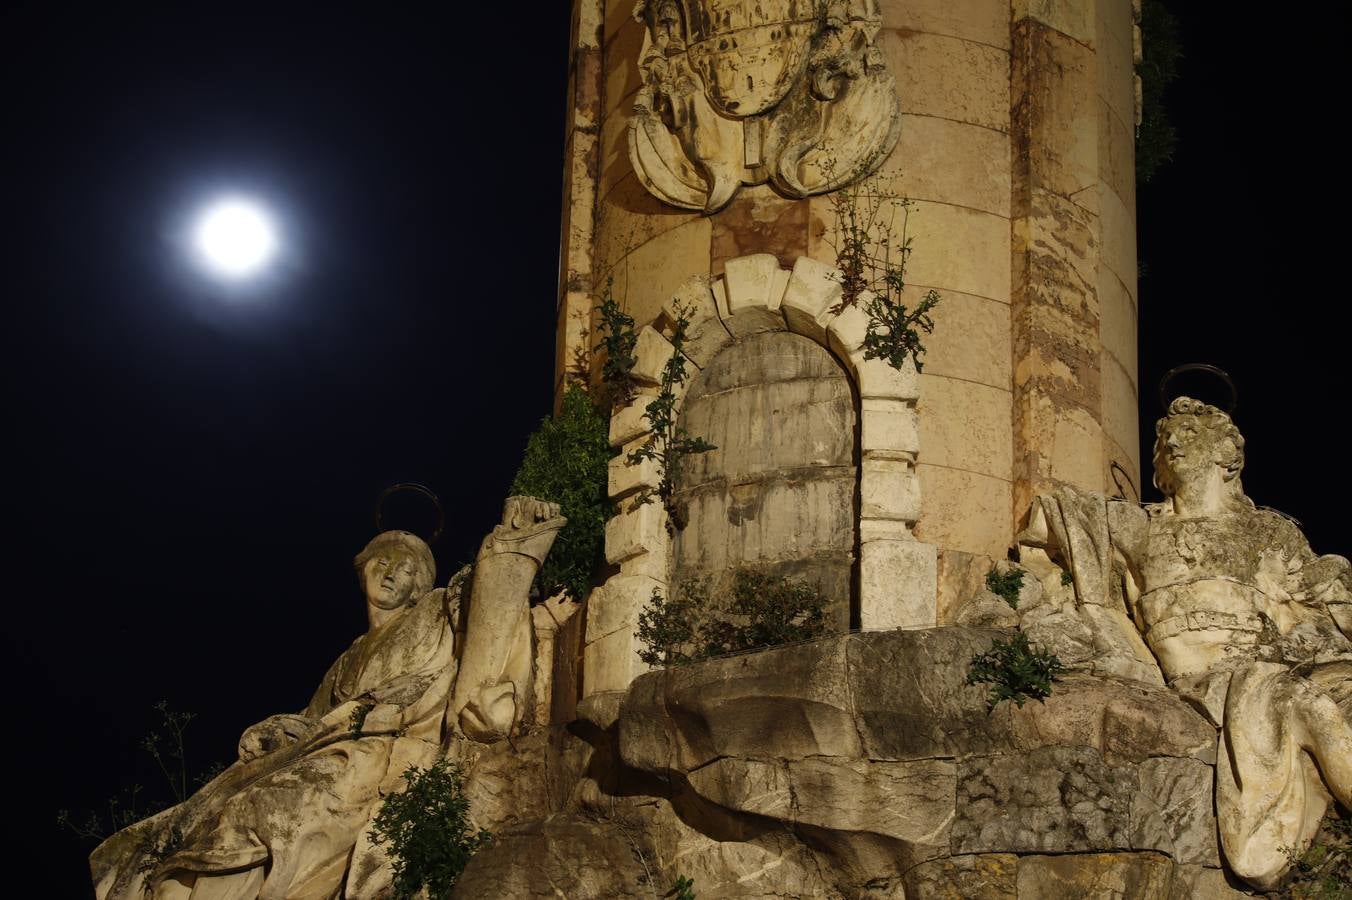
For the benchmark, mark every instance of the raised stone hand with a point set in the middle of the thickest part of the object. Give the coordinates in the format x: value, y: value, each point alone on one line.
x: 493, y: 686
x: 526, y: 512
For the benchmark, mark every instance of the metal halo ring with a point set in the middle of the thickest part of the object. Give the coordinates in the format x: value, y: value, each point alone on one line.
x: 1220, y: 374
x: 410, y: 487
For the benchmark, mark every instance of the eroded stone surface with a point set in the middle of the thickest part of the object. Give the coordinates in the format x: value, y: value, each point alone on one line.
x: 1124, y: 720
x: 1053, y: 799
x: 1172, y: 810
x: 556, y: 858
x: 991, y: 876
x: 911, y: 699
x: 910, y: 802
x: 1129, y: 876
x: 874, y: 745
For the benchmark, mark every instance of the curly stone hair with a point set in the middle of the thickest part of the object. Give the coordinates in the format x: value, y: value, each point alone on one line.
x: 1214, y: 418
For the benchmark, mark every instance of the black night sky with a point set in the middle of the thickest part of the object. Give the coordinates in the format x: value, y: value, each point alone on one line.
x: 191, y: 470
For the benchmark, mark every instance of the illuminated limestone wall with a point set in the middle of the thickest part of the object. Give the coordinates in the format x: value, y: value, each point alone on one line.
x: 1016, y: 147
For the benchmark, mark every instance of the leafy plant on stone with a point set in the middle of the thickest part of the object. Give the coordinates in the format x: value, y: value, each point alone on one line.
x: 1324, y: 870
x: 871, y: 258
x: 1006, y: 586
x: 683, y: 889
x: 760, y: 610
x: 1016, y: 670
x: 764, y: 611
x: 668, y: 444
x: 666, y: 628
x: 565, y: 463
x: 428, y: 832
x: 618, y: 341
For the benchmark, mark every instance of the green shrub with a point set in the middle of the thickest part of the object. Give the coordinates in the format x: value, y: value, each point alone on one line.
x: 666, y: 628
x: 766, y: 611
x: 430, y: 840
x: 760, y: 611
x: 1017, y: 670
x: 1006, y: 586
x: 565, y: 463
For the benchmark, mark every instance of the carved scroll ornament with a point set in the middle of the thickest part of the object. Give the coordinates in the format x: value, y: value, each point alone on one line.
x: 790, y: 92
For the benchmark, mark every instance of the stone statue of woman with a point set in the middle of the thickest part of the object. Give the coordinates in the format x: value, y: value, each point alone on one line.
x: 291, y: 818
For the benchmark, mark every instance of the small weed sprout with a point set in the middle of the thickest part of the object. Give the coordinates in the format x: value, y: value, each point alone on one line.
x: 173, y: 753
x: 683, y: 889
x: 871, y: 258
x: 427, y: 829
x: 618, y: 340
x: 1005, y: 586
x: 668, y: 444
x: 1324, y: 870
x: 1017, y: 670
x: 358, y: 718
x: 122, y: 811
x: 167, y: 747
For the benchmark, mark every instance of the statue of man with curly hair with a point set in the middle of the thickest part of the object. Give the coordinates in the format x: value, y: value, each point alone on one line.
x: 1243, y: 619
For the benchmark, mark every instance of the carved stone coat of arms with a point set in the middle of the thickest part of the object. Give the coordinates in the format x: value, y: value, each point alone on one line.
x: 790, y: 92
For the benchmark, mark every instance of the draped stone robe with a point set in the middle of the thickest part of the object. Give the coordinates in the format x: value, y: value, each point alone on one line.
x: 294, y: 822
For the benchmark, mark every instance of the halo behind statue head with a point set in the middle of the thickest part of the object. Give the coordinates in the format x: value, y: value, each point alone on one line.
x: 409, y: 487
x: 1217, y: 374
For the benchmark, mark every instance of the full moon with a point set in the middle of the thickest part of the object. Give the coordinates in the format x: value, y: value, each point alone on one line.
x: 234, y: 238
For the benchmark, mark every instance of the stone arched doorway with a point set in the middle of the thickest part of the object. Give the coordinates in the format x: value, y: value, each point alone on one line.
x: 780, y: 492
x: 758, y: 306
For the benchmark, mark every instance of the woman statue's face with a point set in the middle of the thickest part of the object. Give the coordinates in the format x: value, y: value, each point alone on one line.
x: 387, y: 579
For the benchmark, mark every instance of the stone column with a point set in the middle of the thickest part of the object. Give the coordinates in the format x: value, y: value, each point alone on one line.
x: 581, y: 158
x: 1074, y: 263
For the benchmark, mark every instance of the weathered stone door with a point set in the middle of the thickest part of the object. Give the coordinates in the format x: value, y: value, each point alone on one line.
x: 780, y: 492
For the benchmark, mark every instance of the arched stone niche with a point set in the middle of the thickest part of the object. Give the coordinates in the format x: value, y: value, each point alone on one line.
x: 754, y: 297
x: 779, y: 493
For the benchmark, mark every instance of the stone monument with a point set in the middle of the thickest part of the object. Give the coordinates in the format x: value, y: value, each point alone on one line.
x: 1199, y: 724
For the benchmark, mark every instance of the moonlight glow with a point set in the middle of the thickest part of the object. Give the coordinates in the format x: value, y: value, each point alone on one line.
x: 234, y: 238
